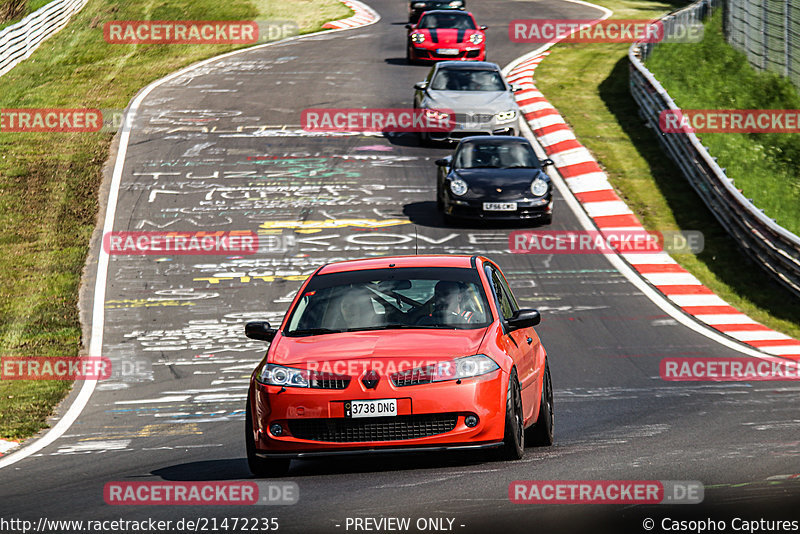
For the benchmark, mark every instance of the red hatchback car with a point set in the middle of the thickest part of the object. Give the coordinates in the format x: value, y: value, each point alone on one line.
x: 446, y: 35
x: 398, y: 354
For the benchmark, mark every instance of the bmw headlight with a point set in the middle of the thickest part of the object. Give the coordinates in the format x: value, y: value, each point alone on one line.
x: 507, y: 116
x: 435, y: 114
x: 417, y: 37
x: 278, y: 375
x: 476, y: 38
x: 467, y: 367
x: 539, y: 187
x: 458, y: 187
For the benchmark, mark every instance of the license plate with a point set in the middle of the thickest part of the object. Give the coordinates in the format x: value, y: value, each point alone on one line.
x: 448, y: 51
x: 499, y: 206
x: 370, y: 408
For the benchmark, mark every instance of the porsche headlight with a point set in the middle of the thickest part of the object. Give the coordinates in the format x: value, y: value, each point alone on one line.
x: 539, y: 187
x: 417, y: 37
x: 458, y: 187
x: 476, y: 38
x: 507, y: 116
x: 457, y: 3
x: 278, y: 375
x: 420, y: 5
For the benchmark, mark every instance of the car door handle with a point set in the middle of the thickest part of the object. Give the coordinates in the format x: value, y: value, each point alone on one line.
x: 530, y: 340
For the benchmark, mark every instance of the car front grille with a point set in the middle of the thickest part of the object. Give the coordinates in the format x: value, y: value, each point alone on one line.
x: 328, y: 381
x: 413, y: 377
x: 373, y: 429
x: 473, y: 118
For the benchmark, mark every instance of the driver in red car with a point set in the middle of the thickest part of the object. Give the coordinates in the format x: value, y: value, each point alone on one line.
x: 449, y: 305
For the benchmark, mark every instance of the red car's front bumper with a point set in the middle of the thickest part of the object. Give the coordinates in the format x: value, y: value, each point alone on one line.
x: 430, y: 52
x: 429, y: 416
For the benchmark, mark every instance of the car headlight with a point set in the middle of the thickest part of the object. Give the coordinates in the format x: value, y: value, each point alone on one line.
x: 476, y: 38
x: 458, y: 187
x: 507, y: 116
x: 278, y: 375
x: 539, y: 187
x: 436, y: 114
x: 457, y: 3
x: 458, y: 369
x: 420, y: 5
x: 417, y: 38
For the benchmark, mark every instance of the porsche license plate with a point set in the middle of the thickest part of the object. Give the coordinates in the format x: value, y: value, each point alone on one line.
x: 447, y: 51
x: 499, y: 206
x: 370, y: 408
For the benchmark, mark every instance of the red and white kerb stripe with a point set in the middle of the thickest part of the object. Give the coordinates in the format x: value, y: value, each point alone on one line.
x: 591, y: 187
x: 363, y: 16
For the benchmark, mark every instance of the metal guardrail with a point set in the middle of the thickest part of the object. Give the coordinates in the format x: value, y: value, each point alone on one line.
x: 772, y: 247
x: 18, y: 41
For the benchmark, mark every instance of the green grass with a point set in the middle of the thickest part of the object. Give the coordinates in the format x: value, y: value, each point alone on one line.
x: 713, y: 75
x: 13, y: 11
x: 588, y: 84
x: 49, y: 182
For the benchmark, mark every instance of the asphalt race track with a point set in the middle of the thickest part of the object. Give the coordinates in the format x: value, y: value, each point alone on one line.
x: 220, y: 148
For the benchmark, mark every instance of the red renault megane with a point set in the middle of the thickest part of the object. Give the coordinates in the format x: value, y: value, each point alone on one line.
x: 398, y: 354
x: 443, y: 35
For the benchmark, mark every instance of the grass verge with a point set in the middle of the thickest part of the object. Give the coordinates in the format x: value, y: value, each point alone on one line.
x: 712, y: 74
x: 49, y: 182
x: 588, y: 84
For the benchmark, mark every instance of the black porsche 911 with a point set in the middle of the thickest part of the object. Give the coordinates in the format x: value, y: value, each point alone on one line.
x: 418, y: 7
x: 494, y: 177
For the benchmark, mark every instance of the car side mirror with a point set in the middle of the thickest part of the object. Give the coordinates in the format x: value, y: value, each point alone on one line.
x: 444, y: 162
x: 421, y: 86
x: 260, y: 330
x: 515, y: 88
x: 524, y: 319
x: 484, y: 28
x: 547, y: 162
x: 409, y: 26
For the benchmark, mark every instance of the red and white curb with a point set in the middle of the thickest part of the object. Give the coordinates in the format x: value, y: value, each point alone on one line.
x: 6, y: 446
x: 363, y: 15
x: 590, y: 186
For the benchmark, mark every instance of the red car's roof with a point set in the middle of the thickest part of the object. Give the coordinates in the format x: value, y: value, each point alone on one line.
x: 385, y: 262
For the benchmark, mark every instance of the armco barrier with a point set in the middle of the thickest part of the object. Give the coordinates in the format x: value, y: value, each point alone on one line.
x: 772, y: 247
x: 18, y: 41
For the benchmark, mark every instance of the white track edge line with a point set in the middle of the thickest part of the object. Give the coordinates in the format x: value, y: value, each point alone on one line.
x: 98, y: 308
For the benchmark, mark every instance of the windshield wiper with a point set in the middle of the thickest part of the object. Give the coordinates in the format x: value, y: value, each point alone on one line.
x: 314, y: 332
x: 392, y: 326
x: 520, y: 167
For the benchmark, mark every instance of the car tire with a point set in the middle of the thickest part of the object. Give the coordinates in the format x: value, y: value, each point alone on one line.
x: 541, y: 433
x: 424, y: 139
x: 546, y: 219
x: 514, y: 438
x: 261, y: 467
x: 408, y: 56
x: 439, y: 199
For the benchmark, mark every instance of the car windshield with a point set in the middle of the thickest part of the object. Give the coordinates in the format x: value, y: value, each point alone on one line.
x: 468, y: 80
x: 382, y: 299
x: 455, y: 21
x: 493, y: 155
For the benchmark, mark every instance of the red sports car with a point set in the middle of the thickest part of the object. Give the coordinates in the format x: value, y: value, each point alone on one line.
x: 446, y: 35
x: 398, y: 354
